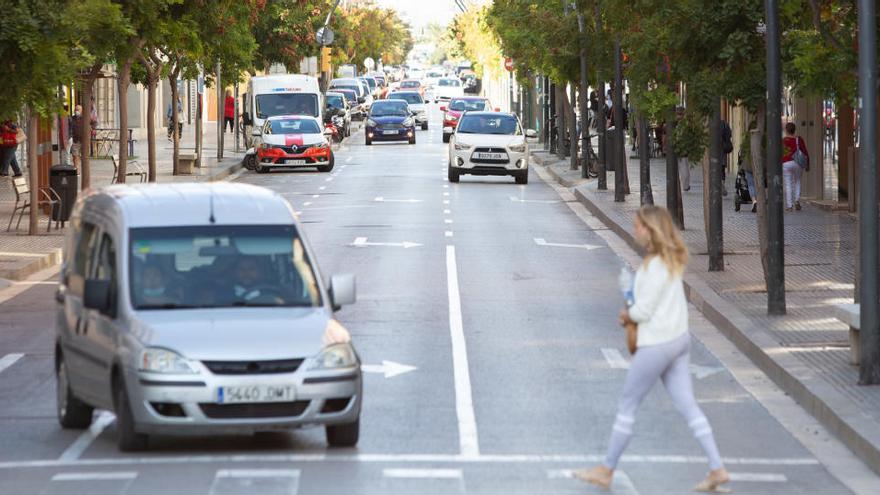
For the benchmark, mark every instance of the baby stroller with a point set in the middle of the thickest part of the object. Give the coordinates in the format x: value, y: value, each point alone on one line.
x: 741, y: 186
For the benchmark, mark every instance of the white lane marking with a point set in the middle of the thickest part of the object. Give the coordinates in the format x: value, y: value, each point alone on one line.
x: 362, y: 242
x: 589, y: 247
x: 621, y: 483
x: 464, y: 402
x: 329, y: 179
x: 446, y: 194
x: 258, y: 473
x: 445, y: 186
x: 447, y: 212
x: 759, y: 477
x: 349, y: 158
x: 422, y: 473
x: 380, y: 199
x: 316, y: 196
x: 407, y: 458
x: 445, y: 201
x: 388, y: 368
x: 448, y: 233
x: 119, y: 475
x: 322, y: 188
x: 9, y: 359
x: 249, y: 481
x: 542, y: 201
x: 615, y: 359
x: 447, y: 220
x: 86, y: 438
x: 307, y: 203
x: 7, y: 293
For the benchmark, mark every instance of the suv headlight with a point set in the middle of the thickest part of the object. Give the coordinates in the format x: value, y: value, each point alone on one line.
x: 518, y: 148
x: 335, y: 357
x: 371, y: 123
x: 462, y: 146
x: 158, y: 360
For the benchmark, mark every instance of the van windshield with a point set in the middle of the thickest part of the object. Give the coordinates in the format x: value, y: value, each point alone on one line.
x: 220, y: 266
x: 272, y: 104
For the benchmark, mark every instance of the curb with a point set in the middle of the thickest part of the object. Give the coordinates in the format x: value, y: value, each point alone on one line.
x: 30, y: 265
x: 821, y: 400
x: 226, y: 171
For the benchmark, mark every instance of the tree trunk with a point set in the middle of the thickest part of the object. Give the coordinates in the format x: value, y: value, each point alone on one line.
x: 33, y: 171
x: 152, y: 83
x: 87, y: 81
x: 175, y: 121
x: 759, y: 168
x: 600, y: 130
x: 572, y: 126
x: 621, y: 177
x: 714, y: 232
x: 845, y: 141
x: 122, y: 83
x: 647, y: 195
x: 560, y: 122
x: 673, y: 184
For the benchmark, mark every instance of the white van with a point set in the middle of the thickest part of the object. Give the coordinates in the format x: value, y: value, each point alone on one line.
x: 283, y: 94
x: 185, y: 313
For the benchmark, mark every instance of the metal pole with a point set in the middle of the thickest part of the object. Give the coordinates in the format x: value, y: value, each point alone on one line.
x: 220, y: 114
x: 869, y: 334
x: 235, y: 123
x: 552, y: 119
x: 545, y: 111
x: 600, y: 125
x: 584, y: 102
x: 775, y: 225
x: 618, y: 151
x: 716, y: 155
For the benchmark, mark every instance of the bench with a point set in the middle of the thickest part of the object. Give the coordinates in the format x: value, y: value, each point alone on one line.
x: 133, y: 169
x: 46, y: 197
x: 186, y: 162
x: 849, y: 315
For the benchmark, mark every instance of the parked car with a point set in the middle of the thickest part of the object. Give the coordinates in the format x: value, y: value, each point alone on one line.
x: 448, y: 88
x: 337, y: 105
x: 365, y: 97
x: 416, y: 104
x: 352, y: 99
x: 372, y: 85
x: 489, y: 143
x: 293, y: 141
x: 198, y: 309
x: 457, y: 107
x: 390, y: 120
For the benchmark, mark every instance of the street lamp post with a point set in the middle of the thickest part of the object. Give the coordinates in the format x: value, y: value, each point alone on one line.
x: 775, y: 227
x: 869, y: 334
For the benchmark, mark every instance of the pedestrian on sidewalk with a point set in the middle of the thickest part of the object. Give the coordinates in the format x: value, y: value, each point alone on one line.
x: 744, y: 162
x: 180, y: 117
x: 13, y: 135
x: 795, y: 160
x: 75, y: 126
x: 727, y: 149
x: 229, y: 112
x: 659, y: 316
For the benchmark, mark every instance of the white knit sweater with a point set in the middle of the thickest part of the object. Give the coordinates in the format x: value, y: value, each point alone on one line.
x: 660, y: 306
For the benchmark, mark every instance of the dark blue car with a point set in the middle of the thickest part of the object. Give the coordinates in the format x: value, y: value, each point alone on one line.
x: 390, y: 120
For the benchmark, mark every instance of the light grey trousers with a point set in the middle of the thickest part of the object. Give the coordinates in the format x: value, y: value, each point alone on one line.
x: 669, y: 362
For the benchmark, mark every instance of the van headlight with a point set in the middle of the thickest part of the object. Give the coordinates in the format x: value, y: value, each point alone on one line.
x: 158, y: 360
x: 518, y: 148
x: 335, y: 357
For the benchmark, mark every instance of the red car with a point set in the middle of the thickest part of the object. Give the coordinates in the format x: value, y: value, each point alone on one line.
x: 458, y: 106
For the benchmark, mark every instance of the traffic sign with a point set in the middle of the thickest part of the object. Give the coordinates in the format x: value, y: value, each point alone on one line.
x: 369, y: 63
x: 325, y: 36
x: 508, y: 64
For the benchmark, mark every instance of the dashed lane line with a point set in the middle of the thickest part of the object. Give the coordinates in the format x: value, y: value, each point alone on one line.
x: 9, y: 359
x: 86, y: 438
x: 421, y: 473
x: 97, y: 476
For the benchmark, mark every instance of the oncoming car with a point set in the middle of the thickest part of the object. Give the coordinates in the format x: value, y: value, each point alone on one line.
x: 416, y: 104
x: 489, y: 143
x: 184, y: 311
x: 390, y: 120
x: 293, y: 141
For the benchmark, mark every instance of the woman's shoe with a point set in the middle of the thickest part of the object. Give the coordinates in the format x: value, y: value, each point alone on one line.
x: 797, y: 205
x: 754, y: 207
x: 599, y: 476
x: 713, y: 482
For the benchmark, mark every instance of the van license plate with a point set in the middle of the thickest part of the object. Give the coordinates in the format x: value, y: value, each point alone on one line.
x: 294, y: 162
x: 255, y: 393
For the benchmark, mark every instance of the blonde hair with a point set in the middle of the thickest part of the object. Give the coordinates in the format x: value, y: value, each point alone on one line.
x: 664, y: 240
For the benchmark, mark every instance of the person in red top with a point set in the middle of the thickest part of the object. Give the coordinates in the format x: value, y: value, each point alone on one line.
x: 229, y: 112
x: 791, y: 170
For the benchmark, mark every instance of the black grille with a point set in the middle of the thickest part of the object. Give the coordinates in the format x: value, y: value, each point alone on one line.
x: 490, y: 150
x: 267, y: 410
x: 389, y: 127
x: 294, y: 150
x: 253, y: 367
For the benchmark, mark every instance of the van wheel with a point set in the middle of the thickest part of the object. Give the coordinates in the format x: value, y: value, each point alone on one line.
x: 72, y: 412
x: 453, y: 174
x: 128, y: 439
x: 343, y: 435
x: 327, y: 168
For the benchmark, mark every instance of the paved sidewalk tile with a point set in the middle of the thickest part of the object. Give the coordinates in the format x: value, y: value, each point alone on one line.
x: 819, y: 270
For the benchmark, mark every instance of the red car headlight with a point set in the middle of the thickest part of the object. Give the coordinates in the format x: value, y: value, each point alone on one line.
x: 318, y: 150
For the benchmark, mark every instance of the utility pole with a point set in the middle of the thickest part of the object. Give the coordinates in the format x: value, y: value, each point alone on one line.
x: 235, y: 122
x: 869, y: 334
x: 775, y: 225
x: 715, y: 238
x: 220, y: 105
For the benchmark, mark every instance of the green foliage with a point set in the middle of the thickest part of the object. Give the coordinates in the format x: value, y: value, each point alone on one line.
x: 366, y: 30
x: 470, y: 34
x: 690, y: 136
x: 286, y: 30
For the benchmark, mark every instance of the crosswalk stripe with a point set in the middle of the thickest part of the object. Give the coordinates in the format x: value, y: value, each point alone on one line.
x: 96, y: 476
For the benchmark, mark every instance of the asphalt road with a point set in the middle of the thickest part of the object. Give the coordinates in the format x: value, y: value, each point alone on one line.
x: 487, y: 313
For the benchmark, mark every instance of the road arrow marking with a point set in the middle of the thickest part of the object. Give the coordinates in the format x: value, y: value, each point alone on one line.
x: 704, y: 371
x: 543, y: 201
x: 389, y: 368
x: 362, y: 242
x: 380, y: 199
x: 588, y: 247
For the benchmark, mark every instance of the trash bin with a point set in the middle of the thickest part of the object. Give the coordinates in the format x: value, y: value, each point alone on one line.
x: 62, y: 179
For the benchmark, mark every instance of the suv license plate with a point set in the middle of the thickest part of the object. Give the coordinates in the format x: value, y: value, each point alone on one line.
x: 490, y: 156
x: 255, y: 394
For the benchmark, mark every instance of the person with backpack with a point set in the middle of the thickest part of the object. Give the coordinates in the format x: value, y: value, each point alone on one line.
x: 727, y: 148
x: 795, y: 160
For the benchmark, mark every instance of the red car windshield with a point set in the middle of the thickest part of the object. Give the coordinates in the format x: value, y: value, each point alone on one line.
x: 467, y: 105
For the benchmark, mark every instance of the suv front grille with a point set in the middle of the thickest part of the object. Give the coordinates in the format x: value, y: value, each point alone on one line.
x: 253, y: 367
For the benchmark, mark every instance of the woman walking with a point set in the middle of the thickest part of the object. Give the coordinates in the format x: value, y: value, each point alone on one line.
x: 791, y: 169
x: 659, y: 315
x: 229, y: 112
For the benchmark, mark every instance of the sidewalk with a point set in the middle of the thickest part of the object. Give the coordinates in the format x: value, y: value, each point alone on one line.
x: 805, y: 352
x: 22, y: 255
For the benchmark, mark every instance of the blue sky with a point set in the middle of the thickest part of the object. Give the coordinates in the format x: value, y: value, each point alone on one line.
x: 421, y: 12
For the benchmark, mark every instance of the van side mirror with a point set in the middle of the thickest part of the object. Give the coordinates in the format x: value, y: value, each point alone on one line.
x: 97, y: 295
x: 342, y: 291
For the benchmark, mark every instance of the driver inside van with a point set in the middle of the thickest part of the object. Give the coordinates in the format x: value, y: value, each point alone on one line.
x: 154, y: 291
